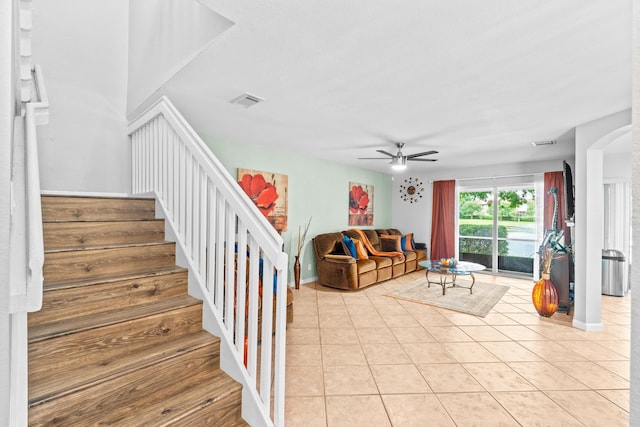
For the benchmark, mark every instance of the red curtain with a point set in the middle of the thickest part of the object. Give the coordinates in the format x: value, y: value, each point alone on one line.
x: 443, y: 228
x: 551, y: 180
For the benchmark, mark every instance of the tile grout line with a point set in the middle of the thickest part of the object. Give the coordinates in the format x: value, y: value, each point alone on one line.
x: 533, y: 328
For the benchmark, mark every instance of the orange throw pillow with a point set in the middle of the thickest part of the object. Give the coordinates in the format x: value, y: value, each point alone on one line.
x: 409, y: 242
x: 360, y: 249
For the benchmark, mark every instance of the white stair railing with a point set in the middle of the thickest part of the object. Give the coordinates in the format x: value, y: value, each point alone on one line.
x: 231, y: 250
x: 26, y: 242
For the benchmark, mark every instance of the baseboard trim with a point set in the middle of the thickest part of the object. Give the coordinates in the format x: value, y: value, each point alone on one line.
x: 93, y: 194
x: 303, y: 282
x: 589, y: 327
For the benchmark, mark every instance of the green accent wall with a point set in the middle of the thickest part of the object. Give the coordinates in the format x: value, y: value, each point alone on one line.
x: 317, y: 188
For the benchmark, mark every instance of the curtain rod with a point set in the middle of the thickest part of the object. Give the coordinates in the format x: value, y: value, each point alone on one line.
x: 494, y: 177
x: 499, y: 177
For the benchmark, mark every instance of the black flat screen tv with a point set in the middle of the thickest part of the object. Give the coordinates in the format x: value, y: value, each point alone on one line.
x: 569, y: 201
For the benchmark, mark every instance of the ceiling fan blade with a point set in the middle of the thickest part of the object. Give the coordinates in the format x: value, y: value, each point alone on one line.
x: 386, y: 152
x: 372, y: 158
x: 423, y: 160
x: 424, y: 153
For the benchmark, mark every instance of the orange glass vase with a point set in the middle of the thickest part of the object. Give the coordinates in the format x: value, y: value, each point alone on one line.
x: 545, y: 296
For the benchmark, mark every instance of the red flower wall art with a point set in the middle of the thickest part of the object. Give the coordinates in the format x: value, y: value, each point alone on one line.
x: 360, y: 204
x: 268, y: 191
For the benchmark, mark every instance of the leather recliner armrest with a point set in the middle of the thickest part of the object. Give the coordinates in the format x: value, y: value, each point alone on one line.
x: 340, y: 259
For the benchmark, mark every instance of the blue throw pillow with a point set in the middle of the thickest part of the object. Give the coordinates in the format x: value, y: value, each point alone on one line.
x: 403, y: 243
x: 350, y: 245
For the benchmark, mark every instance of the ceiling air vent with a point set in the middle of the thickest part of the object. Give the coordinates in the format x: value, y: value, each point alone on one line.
x: 541, y: 143
x: 246, y: 100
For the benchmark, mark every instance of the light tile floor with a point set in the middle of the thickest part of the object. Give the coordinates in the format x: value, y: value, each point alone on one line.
x: 361, y: 358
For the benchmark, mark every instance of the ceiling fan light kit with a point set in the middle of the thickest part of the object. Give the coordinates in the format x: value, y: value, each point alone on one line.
x: 399, y: 163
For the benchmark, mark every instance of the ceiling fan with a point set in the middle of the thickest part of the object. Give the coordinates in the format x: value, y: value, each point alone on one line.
x: 399, y: 160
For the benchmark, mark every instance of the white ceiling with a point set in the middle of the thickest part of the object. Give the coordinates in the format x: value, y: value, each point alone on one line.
x: 476, y: 80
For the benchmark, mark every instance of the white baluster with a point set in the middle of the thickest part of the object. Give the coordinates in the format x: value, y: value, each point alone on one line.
x: 267, y: 320
x: 219, y: 281
x: 252, y: 318
x: 230, y: 241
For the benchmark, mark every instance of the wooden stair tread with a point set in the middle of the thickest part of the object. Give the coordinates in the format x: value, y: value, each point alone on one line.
x: 110, y: 246
x: 157, y: 395
x: 76, y: 208
x: 89, y: 221
x: 80, y: 196
x: 70, y: 381
x: 81, y: 323
x: 115, y: 278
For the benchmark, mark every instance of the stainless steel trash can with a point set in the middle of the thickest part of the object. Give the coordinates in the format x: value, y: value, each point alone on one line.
x: 613, y: 273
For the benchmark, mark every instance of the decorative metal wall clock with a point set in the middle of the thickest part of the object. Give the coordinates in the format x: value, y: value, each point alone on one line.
x: 411, y: 190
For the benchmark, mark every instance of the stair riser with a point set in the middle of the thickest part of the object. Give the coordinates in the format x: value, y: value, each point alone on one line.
x: 84, y: 234
x: 220, y: 414
x: 154, y: 395
x: 58, y: 208
x: 71, y: 360
x: 101, y: 263
x: 66, y: 303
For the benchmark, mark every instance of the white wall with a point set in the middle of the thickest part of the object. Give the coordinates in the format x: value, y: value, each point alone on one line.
x: 6, y: 125
x: 635, y: 267
x: 617, y: 167
x: 416, y: 217
x: 82, y: 47
x: 168, y: 35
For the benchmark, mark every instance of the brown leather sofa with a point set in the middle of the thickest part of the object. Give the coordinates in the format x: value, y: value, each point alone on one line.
x: 337, y: 269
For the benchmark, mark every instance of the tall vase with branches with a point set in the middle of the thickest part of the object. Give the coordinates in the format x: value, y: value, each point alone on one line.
x: 545, y: 294
x: 296, y: 265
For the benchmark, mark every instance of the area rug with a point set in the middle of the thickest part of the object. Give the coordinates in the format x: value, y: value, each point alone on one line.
x: 480, y: 303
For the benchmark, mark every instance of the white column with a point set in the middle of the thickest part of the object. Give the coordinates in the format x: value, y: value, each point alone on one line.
x: 589, y: 226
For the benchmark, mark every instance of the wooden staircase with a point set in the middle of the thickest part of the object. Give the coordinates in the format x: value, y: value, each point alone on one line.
x: 118, y: 340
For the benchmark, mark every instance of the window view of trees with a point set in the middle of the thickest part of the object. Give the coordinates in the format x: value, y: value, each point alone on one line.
x: 513, y: 205
x: 516, y: 228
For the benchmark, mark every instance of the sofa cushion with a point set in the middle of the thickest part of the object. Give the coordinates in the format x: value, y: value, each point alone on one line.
x: 410, y: 255
x: 420, y: 254
x: 390, y: 243
x: 373, y: 239
x: 365, y: 265
x: 397, y: 260
x: 382, y: 261
x: 371, y: 235
x: 381, y: 231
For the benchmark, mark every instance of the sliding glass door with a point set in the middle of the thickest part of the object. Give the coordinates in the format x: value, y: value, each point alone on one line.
x: 517, y: 217
x: 475, y: 226
x: 497, y: 227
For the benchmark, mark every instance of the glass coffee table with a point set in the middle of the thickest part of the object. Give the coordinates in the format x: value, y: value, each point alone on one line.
x: 448, y: 273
